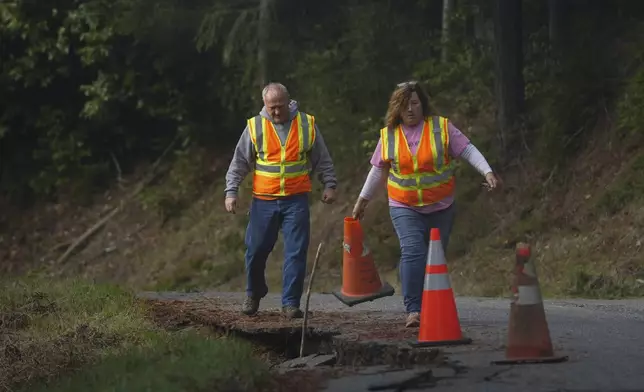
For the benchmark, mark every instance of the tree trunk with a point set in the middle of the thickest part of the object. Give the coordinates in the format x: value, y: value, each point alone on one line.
x: 509, y: 68
x: 483, y: 28
x: 556, y: 17
x: 263, y: 29
x: 448, y: 6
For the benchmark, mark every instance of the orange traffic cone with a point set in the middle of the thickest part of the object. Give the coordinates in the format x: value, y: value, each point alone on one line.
x: 528, y: 334
x: 439, y: 324
x: 360, y: 279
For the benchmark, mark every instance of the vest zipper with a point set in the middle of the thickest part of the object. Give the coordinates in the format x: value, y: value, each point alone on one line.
x: 417, y: 178
x: 282, y: 178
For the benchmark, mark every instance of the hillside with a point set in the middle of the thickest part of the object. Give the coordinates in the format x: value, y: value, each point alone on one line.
x: 583, y: 222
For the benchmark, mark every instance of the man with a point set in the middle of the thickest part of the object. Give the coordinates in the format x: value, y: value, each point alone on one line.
x: 283, y: 146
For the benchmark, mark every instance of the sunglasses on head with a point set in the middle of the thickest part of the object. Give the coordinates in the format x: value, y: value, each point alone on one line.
x: 411, y: 83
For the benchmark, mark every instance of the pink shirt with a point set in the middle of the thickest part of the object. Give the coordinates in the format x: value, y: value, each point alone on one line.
x: 457, y: 143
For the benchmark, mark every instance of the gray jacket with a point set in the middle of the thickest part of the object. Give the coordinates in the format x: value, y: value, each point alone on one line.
x: 244, y: 158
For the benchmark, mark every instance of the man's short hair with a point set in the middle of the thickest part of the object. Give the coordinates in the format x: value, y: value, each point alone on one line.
x: 274, y: 86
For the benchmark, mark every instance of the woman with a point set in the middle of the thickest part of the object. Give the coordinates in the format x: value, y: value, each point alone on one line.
x: 415, y: 157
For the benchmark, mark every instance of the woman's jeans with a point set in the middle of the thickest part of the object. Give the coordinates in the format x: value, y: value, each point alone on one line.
x: 413, y: 230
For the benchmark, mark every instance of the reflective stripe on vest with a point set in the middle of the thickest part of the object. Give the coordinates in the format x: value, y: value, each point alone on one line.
x: 422, y: 178
x: 282, y: 170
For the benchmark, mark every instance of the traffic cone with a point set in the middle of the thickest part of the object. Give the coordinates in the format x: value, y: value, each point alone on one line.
x: 528, y: 333
x: 360, y: 279
x: 439, y: 323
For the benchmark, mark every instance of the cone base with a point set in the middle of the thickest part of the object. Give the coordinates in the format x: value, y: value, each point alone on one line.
x: 385, y: 291
x: 523, y: 361
x: 441, y: 343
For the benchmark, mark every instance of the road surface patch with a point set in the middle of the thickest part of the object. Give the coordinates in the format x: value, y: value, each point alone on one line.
x: 356, y: 339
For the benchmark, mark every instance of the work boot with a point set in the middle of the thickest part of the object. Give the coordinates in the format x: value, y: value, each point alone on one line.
x: 250, y: 306
x: 292, y: 312
x: 413, y: 320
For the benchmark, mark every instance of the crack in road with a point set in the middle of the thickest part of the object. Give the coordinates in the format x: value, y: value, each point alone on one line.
x: 492, y: 376
x: 414, y: 381
x: 425, y: 379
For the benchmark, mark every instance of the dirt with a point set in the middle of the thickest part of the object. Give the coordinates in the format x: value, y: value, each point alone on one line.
x: 299, y: 380
x: 365, y: 325
x: 357, y: 339
x: 13, y: 320
x: 23, y: 360
x: 389, y: 332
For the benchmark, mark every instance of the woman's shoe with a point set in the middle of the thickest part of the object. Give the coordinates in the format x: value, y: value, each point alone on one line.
x: 413, y: 320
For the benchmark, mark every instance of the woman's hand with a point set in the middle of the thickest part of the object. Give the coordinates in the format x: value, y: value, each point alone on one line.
x: 492, y: 181
x: 358, y: 209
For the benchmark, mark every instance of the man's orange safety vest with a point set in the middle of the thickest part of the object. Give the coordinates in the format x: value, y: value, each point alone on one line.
x: 423, y: 178
x: 282, y: 170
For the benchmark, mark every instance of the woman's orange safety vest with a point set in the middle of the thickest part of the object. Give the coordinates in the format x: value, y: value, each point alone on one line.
x: 426, y: 177
x: 282, y: 170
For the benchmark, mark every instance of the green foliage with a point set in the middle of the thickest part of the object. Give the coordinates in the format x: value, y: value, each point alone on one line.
x: 97, y: 78
x: 462, y: 86
x: 356, y: 57
x: 631, y: 98
x: 93, y: 79
x: 629, y: 107
x: 570, y: 92
x: 370, y: 134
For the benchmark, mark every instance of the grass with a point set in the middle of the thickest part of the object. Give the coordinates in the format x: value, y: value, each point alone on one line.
x: 597, y: 256
x: 182, y: 362
x: 75, y: 336
x: 627, y: 188
x: 205, y: 249
x: 568, y: 264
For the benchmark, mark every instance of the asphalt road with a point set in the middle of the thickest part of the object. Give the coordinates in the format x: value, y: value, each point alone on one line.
x: 604, y: 341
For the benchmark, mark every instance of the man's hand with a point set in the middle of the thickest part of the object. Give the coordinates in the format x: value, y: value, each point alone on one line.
x: 358, y: 209
x: 491, y: 181
x: 231, y: 204
x: 328, y: 197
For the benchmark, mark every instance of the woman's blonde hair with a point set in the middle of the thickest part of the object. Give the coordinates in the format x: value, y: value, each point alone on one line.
x: 399, y: 100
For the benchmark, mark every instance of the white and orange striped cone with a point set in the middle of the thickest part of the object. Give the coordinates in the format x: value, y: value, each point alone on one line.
x: 439, y: 323
x: 528, y: 333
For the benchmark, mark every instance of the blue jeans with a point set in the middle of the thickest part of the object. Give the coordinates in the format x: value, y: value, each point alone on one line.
x: 267, y: 217
x: 413, y: 230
